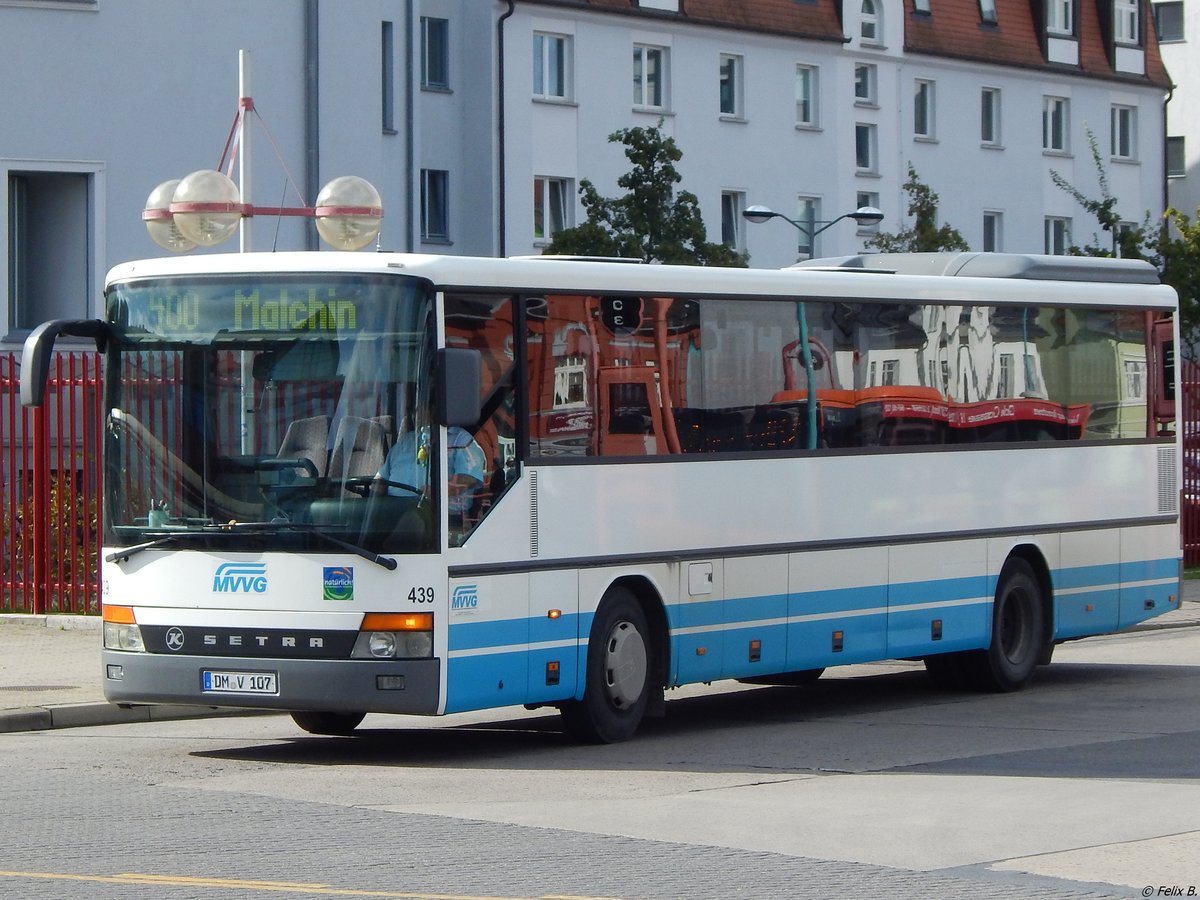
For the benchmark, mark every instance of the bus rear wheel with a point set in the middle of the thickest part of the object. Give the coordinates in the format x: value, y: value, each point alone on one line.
x: 328, y: 723
x: 617, y: 682
x: 1018, y: 632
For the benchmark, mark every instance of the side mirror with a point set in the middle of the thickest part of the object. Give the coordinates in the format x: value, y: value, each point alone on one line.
x: 39, y: 347
x: 458, y: 394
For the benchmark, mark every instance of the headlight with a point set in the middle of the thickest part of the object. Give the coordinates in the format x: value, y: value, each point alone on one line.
x: 123, y: 637
x: 393, y: 645
x: 395, y: 636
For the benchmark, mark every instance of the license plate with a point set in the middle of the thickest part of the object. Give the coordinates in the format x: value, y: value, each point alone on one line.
x: 240, y: 682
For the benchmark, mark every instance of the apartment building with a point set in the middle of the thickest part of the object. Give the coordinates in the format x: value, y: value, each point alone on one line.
x: 477, y: 119
x: 1178, y: 26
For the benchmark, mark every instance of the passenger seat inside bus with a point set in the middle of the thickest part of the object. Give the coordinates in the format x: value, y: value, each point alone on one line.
x: 307, y: 439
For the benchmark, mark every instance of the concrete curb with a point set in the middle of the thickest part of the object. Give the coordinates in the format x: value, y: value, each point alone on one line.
x: 82, y: 715
x: 59, y: 622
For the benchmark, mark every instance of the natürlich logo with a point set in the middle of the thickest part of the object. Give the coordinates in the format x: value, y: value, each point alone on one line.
x: 338, y: 583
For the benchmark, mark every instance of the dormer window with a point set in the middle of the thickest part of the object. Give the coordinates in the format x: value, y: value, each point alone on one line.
x: 1125, y: 22
x: 1060, y: 17
x: 870, y: 27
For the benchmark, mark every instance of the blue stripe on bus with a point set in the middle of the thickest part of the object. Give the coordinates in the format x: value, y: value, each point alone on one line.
x: 793, y: 631
x: 943, y: 591
x: 1087, y: 576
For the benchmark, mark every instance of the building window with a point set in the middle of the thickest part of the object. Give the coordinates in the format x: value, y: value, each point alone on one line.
x: 1135, y: 378
x: 435, y: 53
x: 387, y: 54
x: 1060, y: 17
x: 923, y: 107
x: 871, y: 24
x: 435, y: 205
x: 732, y: 234
x: 993, y: 232
x: 551, y: 66
x: 1176, y: 158
x: 649, y: 77
x: 806, y: 96
x: 865, y: 148
x: 49, y: 247
x: 808, y: 211
x: 1125, y: 21
x: 1054, y: 124
x: 731, y: 85
x: 865, y: 82
x: 1004, y: 378
x: 1168, y: 20
x: 921, y: 6
x: 987, y: 12
x: 1057, y: 235
x: 989, y: 116
x: 550, y: 207
x: 1124, y: 132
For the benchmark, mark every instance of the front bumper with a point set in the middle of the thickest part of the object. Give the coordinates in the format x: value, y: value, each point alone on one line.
x: 309, y: 684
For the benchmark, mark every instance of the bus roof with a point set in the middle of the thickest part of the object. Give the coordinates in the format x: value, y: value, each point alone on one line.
x: 998, y: 265
x: 992, y: 278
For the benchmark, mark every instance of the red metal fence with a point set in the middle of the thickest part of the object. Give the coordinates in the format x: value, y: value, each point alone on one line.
x: 50, y: 489
x: 1189, y: 425
x: 50, y: 498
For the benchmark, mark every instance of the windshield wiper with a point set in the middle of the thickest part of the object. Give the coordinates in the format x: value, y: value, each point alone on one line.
x: 125, y: 552
x: 386, y: 561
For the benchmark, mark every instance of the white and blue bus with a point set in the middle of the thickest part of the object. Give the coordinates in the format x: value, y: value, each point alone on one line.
x: 345, y: 483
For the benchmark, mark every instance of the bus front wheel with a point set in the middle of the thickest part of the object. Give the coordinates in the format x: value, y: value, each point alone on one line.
x: 617, y: 682
x: 328, y: 723
x: 1018, y: 633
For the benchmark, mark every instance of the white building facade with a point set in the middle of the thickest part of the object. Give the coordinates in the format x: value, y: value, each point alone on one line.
x: 477, y: 119
x: 1178, y: 24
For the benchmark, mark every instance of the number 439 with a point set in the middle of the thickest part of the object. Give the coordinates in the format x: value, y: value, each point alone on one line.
x: 421, y: 595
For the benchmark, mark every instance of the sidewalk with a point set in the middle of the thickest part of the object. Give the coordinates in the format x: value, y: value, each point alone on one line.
x: 50, y: 678
x: 50, y: 672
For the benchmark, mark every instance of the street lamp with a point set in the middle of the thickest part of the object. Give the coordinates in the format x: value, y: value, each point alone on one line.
x: 864, y: 216
x: 207, y: 207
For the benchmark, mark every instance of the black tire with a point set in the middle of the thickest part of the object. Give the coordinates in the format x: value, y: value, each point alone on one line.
x: 330, y: 723
x: 619, y: 663
x: 1018, y: 632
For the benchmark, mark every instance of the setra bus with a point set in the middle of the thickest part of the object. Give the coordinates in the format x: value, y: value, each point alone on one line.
x: 339, y: 483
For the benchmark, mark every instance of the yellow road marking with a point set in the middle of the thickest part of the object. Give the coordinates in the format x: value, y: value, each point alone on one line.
x: 288, y: 887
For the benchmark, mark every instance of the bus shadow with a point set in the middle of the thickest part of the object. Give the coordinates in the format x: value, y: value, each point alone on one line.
x: 887, y: 722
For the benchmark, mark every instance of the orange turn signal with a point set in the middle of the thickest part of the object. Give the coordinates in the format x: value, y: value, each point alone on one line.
x: 122, y: 615
x: 397, y: 622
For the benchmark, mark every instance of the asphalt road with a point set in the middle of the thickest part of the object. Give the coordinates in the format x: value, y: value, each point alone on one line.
x: 867, y: 784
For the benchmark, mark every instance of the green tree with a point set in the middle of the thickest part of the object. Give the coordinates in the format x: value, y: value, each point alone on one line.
x: 651, y: 221
x: 1131, y: 243
x: 923, y: 235
x: 1178, y: 259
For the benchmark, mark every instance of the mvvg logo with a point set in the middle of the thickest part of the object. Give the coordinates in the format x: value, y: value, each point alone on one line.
x: 240, y: 578
x: 465, y: 596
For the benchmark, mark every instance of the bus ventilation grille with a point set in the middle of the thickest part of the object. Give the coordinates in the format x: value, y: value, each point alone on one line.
x: 533, y: 514
x: 1168, y: 481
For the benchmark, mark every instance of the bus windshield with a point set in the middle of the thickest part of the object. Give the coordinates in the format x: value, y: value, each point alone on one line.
x: 257, y: 411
